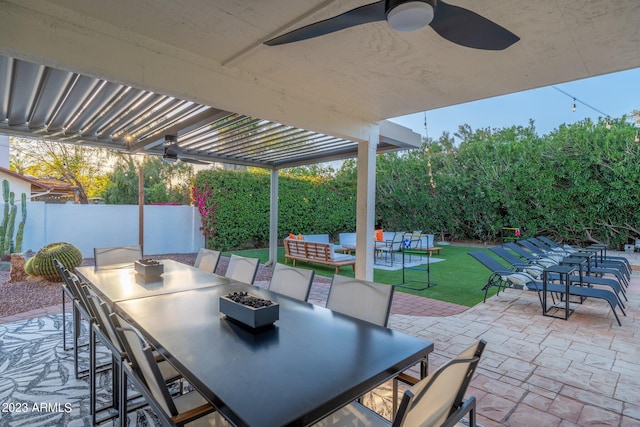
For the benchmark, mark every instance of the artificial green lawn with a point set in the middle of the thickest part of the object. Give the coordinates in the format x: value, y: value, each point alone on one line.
x: 459, y: 277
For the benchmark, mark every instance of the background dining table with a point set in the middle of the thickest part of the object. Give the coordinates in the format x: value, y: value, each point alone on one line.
x: 120, y: 282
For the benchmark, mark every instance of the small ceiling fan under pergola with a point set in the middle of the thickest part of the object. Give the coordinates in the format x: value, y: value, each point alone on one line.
x: 456, y: 24
x: 173, y: 152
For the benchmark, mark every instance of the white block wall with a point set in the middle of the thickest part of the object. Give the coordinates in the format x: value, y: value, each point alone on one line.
x: 167, y: 229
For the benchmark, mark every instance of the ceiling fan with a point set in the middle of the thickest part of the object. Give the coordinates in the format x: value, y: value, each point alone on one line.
x: 173, y: 152
x: 456, y: 24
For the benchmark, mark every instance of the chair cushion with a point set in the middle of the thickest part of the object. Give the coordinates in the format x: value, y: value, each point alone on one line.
x: 519, y: 279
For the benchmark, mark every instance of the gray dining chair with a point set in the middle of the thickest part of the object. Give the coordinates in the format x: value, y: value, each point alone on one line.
x: 81, y: 310
x: 105, y: 331
x: 242, y: 269
x: 116, y: 255
x: 436, y: 400
x: 207, y: 260
x: 291, y: 281
x: 66, y: 293
x: 362, y: 299
x: 180, y: 410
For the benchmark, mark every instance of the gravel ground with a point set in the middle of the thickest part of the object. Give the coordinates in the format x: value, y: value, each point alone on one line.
x: 31, y: 294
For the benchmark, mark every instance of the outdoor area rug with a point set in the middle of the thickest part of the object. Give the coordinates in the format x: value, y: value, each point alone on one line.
x: 38, y: 385
x: 37, y: 380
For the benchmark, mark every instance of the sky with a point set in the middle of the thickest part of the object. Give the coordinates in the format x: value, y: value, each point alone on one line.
x: 612, y: 94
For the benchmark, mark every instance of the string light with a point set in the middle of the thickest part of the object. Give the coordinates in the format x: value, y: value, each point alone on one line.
x: 576, y: 100
x: 426, y: 134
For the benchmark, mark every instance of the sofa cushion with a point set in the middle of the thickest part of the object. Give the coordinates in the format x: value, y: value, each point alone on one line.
x: 343, y: 257
x: 317, y: 238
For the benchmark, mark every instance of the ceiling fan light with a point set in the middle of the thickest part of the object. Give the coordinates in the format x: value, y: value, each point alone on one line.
x: 409, y: 15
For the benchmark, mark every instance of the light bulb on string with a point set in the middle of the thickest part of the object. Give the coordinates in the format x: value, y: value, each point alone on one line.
x: 608, y: 125
x: 573, y: 108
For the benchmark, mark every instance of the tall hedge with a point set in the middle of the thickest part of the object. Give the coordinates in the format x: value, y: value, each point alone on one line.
x: 578, y: 184
x: 234, y: 206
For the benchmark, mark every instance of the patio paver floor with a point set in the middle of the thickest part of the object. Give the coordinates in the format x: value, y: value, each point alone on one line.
x: 535, y: 371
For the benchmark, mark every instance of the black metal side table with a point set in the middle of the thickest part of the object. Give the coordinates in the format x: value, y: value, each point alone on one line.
x: 580, y: 263
x: 590, y: 256
x: 564, y: 271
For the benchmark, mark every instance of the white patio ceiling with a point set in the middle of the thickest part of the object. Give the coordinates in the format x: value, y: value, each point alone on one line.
x: 342, y: 84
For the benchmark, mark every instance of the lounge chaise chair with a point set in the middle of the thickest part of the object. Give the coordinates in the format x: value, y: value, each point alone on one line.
x: 604, y: 259
x: 537, y: 270
x: 608, y: 267
x: 501, y: 273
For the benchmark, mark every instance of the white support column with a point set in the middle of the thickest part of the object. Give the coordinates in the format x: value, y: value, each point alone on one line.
x: 273, y: 219
x: 4, y: 151
x: 366, y: 205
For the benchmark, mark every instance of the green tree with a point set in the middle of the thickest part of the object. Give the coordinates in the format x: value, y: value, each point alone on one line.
x: 163, y: 182
x: 83, y: 167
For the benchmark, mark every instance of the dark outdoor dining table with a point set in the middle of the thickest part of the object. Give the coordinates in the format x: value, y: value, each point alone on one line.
x: 310, y: 363
x: 119, y: 282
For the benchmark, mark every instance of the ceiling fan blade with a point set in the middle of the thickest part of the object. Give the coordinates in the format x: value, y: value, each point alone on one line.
x: 361, y: 15
x: 172, y: 150
x: 466, y: 28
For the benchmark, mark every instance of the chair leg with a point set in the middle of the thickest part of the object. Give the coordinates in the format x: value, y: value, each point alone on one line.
x: 122, y: 400
x: 76, y: 336
x: 115, y: 382
x: 64, y: 321
x: 394, y: 396
x: 472, y: 414
x: 92, y: 374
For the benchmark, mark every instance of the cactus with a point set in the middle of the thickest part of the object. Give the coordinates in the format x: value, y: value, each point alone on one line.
x: 28, y: 267
x: 41, y: 264
x: 7, y: 227
x: 5, y: 216
x: 8, y: 238
x: 20, y: 234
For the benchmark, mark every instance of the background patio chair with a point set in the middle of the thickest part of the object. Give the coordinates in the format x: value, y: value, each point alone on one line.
x: 292, y: 282
x: 116, y: 255
x: 207, y: 260
x: 361, y: 299
x: 388, y: 248
x: 501, y: 276
x: 242, y: 269
x: 436, y: 400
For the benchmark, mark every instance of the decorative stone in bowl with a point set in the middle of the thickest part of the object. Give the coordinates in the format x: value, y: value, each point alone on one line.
x: 249, y: 310
x: 149, y: 269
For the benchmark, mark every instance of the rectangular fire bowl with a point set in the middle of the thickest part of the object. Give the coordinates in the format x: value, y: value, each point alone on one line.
x: 148, y: 270
x: 250, y: 316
